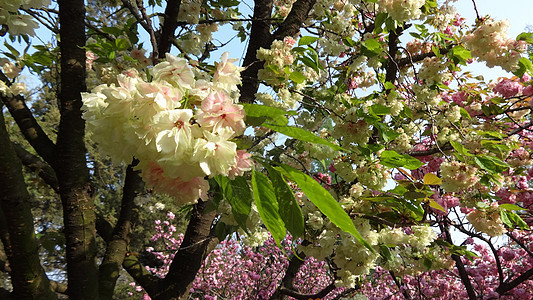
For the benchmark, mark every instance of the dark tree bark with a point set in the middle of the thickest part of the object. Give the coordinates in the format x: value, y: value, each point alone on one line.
x: 27, y: 275
x: 72, y: 172
x: 260, y: 36
x: 169, y: 26
x: 189, y: 258
x: 459, y: 264
x: 36, y: 165
x: 118, y: 242
x: 29, y: 127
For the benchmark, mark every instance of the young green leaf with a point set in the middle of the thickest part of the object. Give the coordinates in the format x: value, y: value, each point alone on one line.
x: 267, y: 206
x: 302, y: 135
x: 392, y: 159
x: 273, y: 114
x: 306, y: 40
x: 237, y: 193
x: 432, y: 179
x: 290, y: 211
x: 324, y: 201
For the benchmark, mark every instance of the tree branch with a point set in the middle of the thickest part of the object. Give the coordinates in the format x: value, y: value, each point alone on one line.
x: 29, y: 127
x: 318, y: 295
x: 189, y: 258
x: 459, y: 264
x: 259, y: 38
x: 287, y: 282
x: 39, y: 167
x: 420, y: 57
x: 118, y: 243
x: 292, y: 24
x: 170, y: 24
x: 18, y: 234
x: 505, y: 287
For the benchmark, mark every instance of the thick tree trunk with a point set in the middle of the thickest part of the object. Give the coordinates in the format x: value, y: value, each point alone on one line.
x: 71, y: 169
x: 27, y: 275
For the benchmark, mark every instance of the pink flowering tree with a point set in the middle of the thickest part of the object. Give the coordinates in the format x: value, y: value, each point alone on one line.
x: 353, y: 126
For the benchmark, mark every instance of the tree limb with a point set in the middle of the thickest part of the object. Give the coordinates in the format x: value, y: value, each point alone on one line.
x: 259, y: 38
x: 318, y: 295
x: 39, y: 167
x: 190, y: 256
x: 505, y: 287
x: 29, y: 127
x: 459, y: 264
x: 18, y: 234
x: 170, y: 24
x: 118, y: 243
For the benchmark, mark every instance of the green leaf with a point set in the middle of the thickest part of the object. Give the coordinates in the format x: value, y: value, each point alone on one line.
x: 525, y: 36
x: 505, y: 218
x: 348, y: 41
x: 379, y: 109
x: 431, y: 179
x: 373, y: 45
x: 306, y: 40
x: 378, y: 22
x: 460, y: 55
x: 267, y: 206
x: 384, y: 251
x: 297, y: 77
x: 324, y: 201
x: 289, y: 210
x: 392, y: 159
x: 302, y: 135
x: 389, y: 85
x: 13, y: 51
x: 385, y: 132
x: 122, y: 44
x: 510, y: 206
x: 524, y: 65
x: 464, y: 113
x: 517, y: 220
x: 435, y: 205
x: 428, y: 263
x: 436, y: 50
x: 273, y: 114
x: 460, y: 150
x: 491, y: 164
x: 222, y: 230
x: 310, y: 63
x: 237, y: 193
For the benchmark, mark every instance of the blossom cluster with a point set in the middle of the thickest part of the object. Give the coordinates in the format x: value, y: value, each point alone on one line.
x: 16, y: 22
x: 279, y: 66
x: 178, y: 127
x: 402, y: 10
x: 11, y: 71
x: 490, y: 43
x: 487, y: 220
